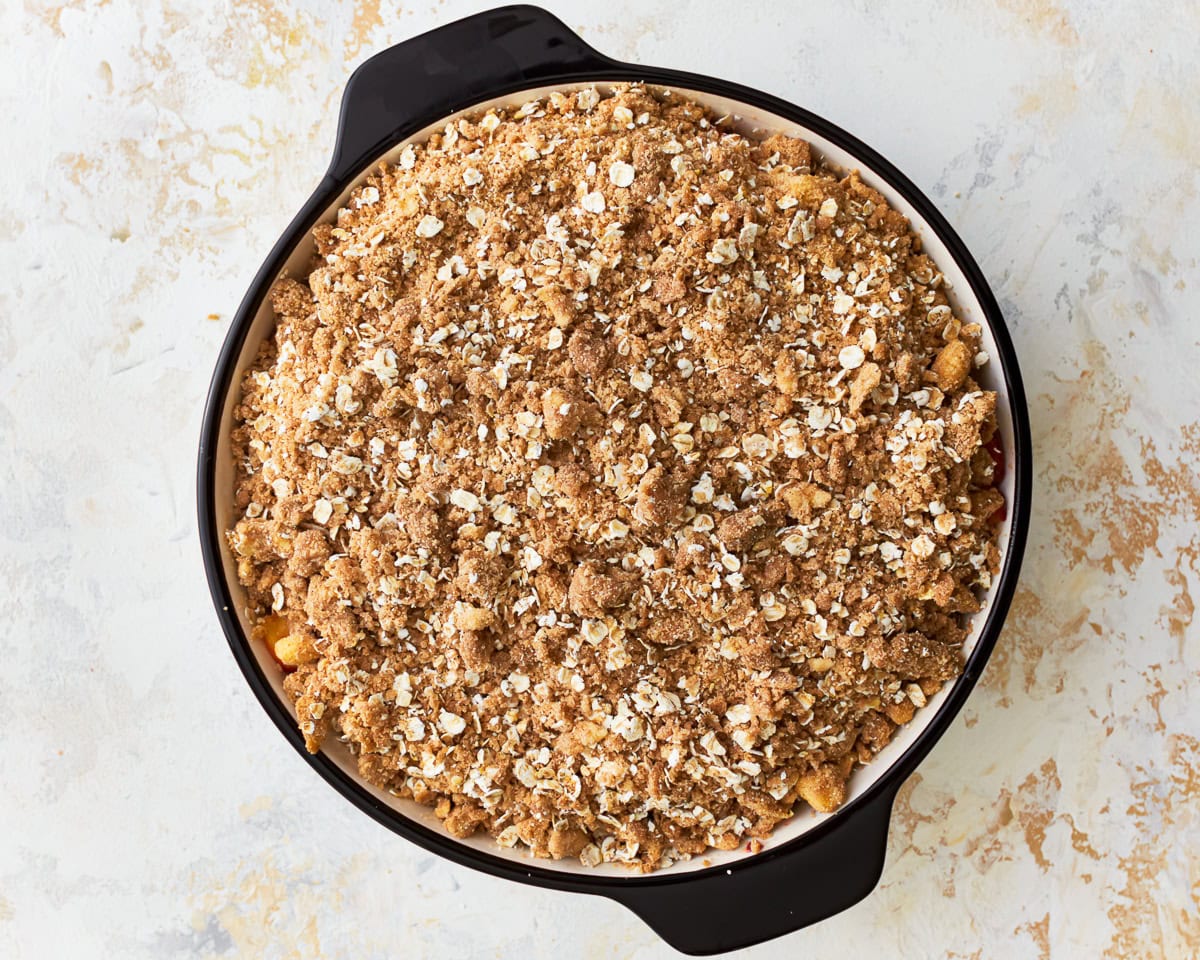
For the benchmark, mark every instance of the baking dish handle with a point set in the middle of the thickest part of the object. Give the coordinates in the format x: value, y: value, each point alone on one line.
x: 414, y: 83
x: 773, y: 893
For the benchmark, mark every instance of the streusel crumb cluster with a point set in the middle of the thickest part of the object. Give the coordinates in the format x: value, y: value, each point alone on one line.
x: 614, y: 483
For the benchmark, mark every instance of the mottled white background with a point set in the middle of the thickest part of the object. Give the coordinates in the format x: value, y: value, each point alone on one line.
x: 152, y: 153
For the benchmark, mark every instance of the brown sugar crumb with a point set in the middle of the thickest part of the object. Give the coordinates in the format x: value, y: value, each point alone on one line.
x: 614, y: 483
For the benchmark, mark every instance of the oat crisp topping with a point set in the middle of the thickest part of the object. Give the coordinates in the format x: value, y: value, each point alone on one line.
x: 614, y: 483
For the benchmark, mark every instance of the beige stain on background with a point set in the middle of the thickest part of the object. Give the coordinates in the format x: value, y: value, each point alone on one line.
x: 1039, y: 932
x: 51, y: 13
x: 261, y: 908
x: 1147, y: 912
x: 289, y: 911
x: 367, y: 17
x: 1044, y: 18
x: 280, y: 37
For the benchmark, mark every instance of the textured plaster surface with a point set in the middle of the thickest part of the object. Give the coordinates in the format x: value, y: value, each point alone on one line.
x: 155, y: 150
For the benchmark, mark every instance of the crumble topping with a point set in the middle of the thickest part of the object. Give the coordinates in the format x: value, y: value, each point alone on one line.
x: 613, y: 482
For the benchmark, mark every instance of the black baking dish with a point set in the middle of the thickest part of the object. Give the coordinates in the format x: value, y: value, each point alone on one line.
x: 830, y: 862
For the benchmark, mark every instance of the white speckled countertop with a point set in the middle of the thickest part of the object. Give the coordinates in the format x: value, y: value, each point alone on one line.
x: 148, y: 809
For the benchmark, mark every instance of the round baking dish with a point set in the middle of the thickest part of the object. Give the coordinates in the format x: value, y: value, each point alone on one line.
x: 814, y: 865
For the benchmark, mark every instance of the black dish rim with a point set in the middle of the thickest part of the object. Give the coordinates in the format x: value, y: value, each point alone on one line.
x: 330, y: 187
